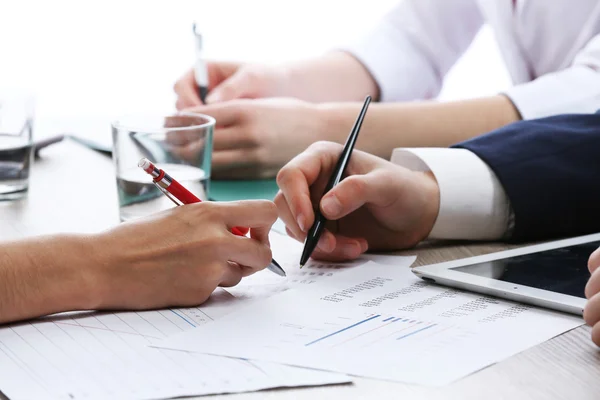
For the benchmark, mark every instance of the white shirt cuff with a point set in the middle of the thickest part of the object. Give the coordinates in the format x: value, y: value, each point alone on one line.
x: 575, y: 90
x: 473, y: 204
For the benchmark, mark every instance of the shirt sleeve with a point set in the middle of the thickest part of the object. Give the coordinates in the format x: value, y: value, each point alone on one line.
x: 574, y: 90
x: 413, y: 47
x: 473, y: 203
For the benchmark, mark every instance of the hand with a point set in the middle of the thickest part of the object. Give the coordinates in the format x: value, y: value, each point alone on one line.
x: 179, y: 257
x: 229, y: 81
x: 379, y: 206
x: 591, y: 313
x: 255, y: 138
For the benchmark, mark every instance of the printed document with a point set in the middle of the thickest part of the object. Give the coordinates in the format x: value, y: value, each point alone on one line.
x: 379, y: 321
x: 93, y: 355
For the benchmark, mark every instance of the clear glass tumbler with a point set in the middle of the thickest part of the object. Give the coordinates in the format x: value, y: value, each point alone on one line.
x: 16, y: 145
x: 180, y: 143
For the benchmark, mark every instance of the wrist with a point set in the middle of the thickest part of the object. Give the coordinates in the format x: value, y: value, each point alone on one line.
x: 71, y: 280
x: 335, y: 121
x: 93, y: 270
x: 431, y: 203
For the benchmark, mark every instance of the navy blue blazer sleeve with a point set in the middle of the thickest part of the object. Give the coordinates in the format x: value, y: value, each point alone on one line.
x: 550, y: 170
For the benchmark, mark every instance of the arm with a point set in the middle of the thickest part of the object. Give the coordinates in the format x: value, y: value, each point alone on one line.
x: 575, y: 89
x: 417, y: 124
x: 548, y: 168
x: 45, y: 276
x: 404, y: 58
x: 160, y: 261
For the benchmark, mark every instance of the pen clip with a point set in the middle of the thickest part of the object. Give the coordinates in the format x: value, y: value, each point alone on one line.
x: 166, y: 193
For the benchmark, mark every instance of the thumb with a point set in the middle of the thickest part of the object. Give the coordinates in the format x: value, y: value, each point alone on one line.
x: 235, y: 87
x: 356, y: 191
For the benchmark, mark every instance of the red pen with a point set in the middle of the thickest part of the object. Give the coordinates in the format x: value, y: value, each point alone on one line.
x: 180, y: 196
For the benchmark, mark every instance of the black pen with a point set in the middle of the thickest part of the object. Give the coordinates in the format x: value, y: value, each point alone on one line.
x: 200, y: 69
x: 315, y: 231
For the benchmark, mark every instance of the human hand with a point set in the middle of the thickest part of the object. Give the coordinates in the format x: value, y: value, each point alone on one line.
x: 591, y: 313
x: 229, y: 81
x: 179, y: 257
x: 255, y: 138
x: 379, y: 206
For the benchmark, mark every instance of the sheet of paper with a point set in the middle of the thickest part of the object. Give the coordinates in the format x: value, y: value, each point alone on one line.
x: 287, y: 252
x: 106, y: 355
x: 379, y: 321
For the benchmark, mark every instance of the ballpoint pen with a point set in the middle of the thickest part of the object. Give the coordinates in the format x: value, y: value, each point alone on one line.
x: 315, y: 231
x: 200, y: 70
x: 179, y: 195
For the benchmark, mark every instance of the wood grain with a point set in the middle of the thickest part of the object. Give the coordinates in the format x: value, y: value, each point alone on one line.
x: 566, y: 367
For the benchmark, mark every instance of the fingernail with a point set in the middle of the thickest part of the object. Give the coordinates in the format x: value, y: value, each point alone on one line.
x: 331, y: 205
x: 213, y: 97
x: 302, y: 222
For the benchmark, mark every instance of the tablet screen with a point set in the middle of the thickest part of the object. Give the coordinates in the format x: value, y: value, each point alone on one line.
x: 562, y: 270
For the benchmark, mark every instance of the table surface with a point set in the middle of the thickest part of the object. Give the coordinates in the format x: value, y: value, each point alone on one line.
x: 73, y: 189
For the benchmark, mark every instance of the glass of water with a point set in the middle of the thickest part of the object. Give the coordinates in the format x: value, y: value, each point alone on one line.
x: 16, y: 146
x: 180, y: 143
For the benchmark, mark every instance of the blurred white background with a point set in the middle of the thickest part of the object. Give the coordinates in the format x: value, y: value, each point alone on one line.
x: 98, y: 59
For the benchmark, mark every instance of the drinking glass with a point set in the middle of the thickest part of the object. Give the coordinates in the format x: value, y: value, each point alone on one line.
x: 179, y: 143
x: 16, y: 146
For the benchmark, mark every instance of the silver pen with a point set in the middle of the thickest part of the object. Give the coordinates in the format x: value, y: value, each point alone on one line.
x: 200, y: 68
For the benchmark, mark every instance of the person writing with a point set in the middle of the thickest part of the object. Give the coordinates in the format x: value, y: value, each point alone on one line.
x: 403, y: 63
x: 528, y: 181
x: 174, y: 258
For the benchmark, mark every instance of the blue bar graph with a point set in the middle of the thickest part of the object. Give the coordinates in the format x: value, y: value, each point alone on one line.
x: 415, y: 332
x: 344, y: 329
x: 182, y: 317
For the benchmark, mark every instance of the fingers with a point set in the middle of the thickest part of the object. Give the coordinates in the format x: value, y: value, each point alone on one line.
x: 249, y: 213
x: 358, y: 190
x: 288, y: 218
x: 250, y: 253
x: 296, y: 178
x: 225, y: 114
x: 233, y: 159
x: 235, y: 87
x: 596, y: 334
x: 232, y: 138
x: 248, y: 82
x: 591, y: 313
x: 593, y: 285
x: 185, y: 88
x: 339, y: 248
x: 594, y: 261
x: 232, y: 274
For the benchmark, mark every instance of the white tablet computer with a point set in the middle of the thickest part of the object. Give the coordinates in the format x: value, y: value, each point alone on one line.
x: 551, y: 275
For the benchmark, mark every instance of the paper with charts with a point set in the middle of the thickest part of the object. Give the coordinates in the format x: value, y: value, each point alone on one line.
x: 106, y: 355
x: 382, y: 322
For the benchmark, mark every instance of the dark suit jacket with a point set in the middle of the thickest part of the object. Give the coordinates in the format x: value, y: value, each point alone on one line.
x: 550, y: 169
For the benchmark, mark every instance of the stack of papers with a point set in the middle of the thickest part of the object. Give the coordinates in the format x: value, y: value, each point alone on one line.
x: 373, y: 319
x: 379, y: 321
x: 107, y: 355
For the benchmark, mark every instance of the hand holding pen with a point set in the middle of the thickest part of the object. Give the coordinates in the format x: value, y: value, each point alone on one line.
x: 377, y: 206
x: 181, y: 196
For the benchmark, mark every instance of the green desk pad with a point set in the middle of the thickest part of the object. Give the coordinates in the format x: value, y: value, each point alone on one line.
x: 231, y: 190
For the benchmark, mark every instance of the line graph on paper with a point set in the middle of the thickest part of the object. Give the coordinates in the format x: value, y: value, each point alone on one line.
x: 373, y: 333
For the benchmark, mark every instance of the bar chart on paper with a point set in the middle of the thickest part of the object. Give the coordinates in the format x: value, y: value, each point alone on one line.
x: 383, y: 331
x: 378, y: 321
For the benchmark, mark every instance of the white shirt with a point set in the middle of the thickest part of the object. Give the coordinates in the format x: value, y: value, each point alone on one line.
x: 551, y: 49
x: 473, y: 204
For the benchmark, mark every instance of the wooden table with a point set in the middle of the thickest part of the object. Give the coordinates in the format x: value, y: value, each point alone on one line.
x: 567, y: 367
